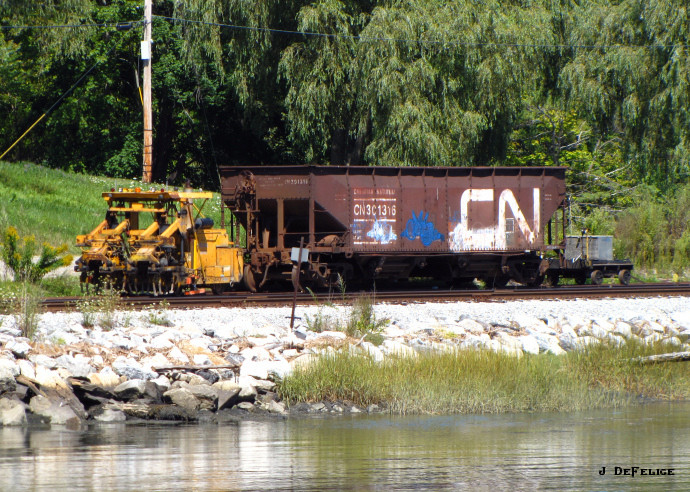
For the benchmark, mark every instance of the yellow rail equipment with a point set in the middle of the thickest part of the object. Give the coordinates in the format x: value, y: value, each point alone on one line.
x: 158, y: 242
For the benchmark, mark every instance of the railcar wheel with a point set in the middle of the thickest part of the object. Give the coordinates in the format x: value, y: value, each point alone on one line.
x: 498, y: 282
x: 597, y: 277
x: 624, y: 277
x: 581, y: 279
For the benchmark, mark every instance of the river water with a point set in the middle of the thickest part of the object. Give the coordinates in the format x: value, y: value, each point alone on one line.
x: 515, y: 452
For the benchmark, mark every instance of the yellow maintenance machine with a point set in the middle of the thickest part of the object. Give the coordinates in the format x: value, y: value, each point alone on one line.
x: 158, y: 242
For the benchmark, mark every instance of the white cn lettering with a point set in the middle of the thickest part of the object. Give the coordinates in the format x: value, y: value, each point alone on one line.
x: 507, y: 198
x: 464, y: 239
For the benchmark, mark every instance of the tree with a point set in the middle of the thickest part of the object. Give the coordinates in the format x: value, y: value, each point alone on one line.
x: 411, y: 82
x: 635, y: 81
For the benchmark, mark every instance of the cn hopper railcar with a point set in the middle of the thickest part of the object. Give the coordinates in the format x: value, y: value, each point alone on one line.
x: 365, y: 224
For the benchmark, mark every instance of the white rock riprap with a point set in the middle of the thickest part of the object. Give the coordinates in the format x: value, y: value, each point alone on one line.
x: 134, y: 363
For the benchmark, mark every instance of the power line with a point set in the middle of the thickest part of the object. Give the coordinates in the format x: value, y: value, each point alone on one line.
x: 417, y: 41
x: 354, y: 37
x: 59, y: 100
x: 117, y: 25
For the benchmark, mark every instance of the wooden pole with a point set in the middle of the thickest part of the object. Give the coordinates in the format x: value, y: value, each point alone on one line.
x: 295, y: 282
x: 146, y: 49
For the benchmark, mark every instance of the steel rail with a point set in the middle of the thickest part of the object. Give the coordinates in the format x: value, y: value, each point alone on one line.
x: 246, y: 299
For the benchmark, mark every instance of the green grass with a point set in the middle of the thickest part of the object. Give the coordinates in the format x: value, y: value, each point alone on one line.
x: 52, y: 205
x: 361, y: 323
x: 472, y: 381
x: 58, y: 286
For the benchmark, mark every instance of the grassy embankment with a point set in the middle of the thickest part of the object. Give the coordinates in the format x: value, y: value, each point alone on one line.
x: 470, y: 381
x: 55, y: 206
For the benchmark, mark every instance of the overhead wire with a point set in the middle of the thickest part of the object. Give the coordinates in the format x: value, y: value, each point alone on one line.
x: 116, y: 25
x: 58, y: 101
x: 356, y: 37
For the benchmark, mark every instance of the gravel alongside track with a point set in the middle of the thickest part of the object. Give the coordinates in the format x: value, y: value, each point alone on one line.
x: 412, y: 317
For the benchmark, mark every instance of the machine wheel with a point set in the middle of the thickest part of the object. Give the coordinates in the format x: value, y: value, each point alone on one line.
x: 249, y: 278
x: 553, y: 279
x: 218, y: 289
x: 624, y: 277
x: 581, y: 279
x: 597, y: 277
x: 536, y: 281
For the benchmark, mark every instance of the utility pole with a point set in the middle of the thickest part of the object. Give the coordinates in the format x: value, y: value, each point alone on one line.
x: 148, y: 117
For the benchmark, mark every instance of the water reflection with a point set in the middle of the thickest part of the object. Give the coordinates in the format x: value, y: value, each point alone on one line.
x: 516, y: 452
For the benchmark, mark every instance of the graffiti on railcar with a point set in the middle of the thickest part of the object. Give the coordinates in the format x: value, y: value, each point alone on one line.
x: 382, y: 232
x: 500, y: 235
x: 420, y: 227
x: 374, y: 213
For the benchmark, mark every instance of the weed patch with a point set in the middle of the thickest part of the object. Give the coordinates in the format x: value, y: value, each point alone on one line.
x: 158, y: 316
x: 363, y: 323
x: 322, y: 322
x: 61, y: 286
x: 18, y: 256
x: 100, y: 309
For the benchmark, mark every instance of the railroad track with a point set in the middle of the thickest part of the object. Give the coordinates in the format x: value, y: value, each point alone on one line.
x: 246, y: 299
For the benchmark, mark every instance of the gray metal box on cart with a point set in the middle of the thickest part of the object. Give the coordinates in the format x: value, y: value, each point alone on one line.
x: 589, y: 248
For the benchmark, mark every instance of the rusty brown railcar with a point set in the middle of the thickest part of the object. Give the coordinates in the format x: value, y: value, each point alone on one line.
x: 369, y: 223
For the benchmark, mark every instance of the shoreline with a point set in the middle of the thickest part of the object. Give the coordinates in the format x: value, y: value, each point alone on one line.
x: 205, y: 365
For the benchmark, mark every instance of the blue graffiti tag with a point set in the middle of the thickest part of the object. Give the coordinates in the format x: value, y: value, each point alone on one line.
x: 420, y: 227
x: 382, y: 232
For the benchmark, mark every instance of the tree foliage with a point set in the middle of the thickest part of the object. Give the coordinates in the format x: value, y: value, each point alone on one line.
x: 636, y: 82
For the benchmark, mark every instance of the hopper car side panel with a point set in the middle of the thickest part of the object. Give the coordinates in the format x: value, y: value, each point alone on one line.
x: 350, y: 217
x: 410, y: 209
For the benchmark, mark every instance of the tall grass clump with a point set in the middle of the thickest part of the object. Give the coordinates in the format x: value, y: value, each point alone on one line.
x: 474, y: 381
x: 8, y: 298
x: 361, y: 322
x: 342, y: 287
x: 159, y: 315
x: 321, y: 322
x: 65, y: 285
x: 655, y: 233
x: 618, y: 370
x: 27, y: 312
